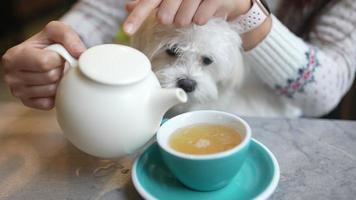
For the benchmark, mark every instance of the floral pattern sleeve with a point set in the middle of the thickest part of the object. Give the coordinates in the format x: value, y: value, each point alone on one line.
x: 312, y: 76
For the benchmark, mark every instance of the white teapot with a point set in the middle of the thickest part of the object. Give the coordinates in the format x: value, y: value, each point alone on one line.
x: 110, y: 103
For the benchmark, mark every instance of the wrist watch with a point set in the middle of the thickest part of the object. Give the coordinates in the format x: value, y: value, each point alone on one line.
x: 257, y: 14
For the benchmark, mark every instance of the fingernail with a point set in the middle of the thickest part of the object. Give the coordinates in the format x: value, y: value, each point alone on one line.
x: 78, y: 48
x: 129, y: 28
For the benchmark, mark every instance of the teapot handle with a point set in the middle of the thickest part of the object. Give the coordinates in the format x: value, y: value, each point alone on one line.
x: 58, y: 48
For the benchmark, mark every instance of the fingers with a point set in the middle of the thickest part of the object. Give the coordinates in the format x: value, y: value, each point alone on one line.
x: 35, y: 96
x: 180, y: 12
x: 19, y: 79
x: 30, y: 55
x: 41, y: 91
x: 139, y: 15
x: 167, y: 11
x: 39, y: 103
x: 32, y: 79
x: 206, y: 10
x: 186, y: 12
x: 26, y: 58
x: 59, y: 32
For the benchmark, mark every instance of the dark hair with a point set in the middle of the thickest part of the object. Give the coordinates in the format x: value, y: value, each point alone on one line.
x: 300, y: 15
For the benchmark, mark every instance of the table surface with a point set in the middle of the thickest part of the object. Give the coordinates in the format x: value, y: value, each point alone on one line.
x: 317, y: 159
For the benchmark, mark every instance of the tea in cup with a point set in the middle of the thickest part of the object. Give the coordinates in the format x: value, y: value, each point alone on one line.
x: 204, y: 149
x: 205, y: 138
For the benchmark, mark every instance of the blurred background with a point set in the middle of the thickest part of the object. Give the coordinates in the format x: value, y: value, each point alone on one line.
x: 20, y: 19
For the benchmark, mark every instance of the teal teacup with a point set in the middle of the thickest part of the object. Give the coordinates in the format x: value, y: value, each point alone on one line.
x: 209, y: 171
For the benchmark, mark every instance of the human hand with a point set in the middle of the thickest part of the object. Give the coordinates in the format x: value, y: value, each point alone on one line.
x: 32, y: 72
x: 182, y: 12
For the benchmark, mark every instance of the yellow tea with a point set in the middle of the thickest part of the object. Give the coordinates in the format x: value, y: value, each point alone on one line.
x: 204, y: 139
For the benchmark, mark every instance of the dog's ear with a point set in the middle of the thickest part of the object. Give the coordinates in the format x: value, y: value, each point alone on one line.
x: 234, y: 77
x: 238, y: 68
x: 237, y: 73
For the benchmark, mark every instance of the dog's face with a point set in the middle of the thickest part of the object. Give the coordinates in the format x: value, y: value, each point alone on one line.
x: 202, y: 60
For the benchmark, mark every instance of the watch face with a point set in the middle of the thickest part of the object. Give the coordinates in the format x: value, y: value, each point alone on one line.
x: 266, y: 6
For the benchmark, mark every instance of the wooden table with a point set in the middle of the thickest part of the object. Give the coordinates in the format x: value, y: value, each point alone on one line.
x: 317, y: 159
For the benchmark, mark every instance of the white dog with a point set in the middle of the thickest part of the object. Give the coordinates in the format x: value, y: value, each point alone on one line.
x: 206, y: 61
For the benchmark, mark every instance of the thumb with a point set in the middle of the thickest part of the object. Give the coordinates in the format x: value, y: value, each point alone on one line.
x: 59, y: 32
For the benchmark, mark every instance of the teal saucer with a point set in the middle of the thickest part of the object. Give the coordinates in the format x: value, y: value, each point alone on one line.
x: 257, y: 179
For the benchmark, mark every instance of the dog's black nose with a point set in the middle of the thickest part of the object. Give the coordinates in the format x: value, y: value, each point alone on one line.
x: 188, y: 85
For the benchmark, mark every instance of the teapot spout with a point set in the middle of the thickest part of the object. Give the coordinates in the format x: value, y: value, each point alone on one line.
x: 164, y: 99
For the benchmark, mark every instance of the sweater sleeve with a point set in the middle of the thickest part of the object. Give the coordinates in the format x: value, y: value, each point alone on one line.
x: 95, y: 21
x: 312, y: 76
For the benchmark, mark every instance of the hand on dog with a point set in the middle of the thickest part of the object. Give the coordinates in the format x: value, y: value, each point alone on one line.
x: 182, y: 12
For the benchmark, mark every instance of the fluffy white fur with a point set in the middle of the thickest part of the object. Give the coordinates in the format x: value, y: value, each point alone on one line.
x: 226, y: 84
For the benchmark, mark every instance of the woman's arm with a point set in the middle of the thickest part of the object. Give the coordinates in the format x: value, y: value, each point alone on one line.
x: 95, y: 21
x: 313, y: 76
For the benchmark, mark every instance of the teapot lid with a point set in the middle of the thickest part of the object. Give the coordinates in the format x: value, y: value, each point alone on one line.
x: 114, y: 64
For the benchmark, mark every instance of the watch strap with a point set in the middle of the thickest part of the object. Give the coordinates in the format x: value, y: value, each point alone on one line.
x: 253, y: 18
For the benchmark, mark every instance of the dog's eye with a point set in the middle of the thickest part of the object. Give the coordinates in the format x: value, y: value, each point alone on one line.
x: 173, y: 51
x: 206, y: 60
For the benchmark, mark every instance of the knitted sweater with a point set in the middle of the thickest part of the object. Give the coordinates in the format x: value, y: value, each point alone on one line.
x: 310, y: 76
